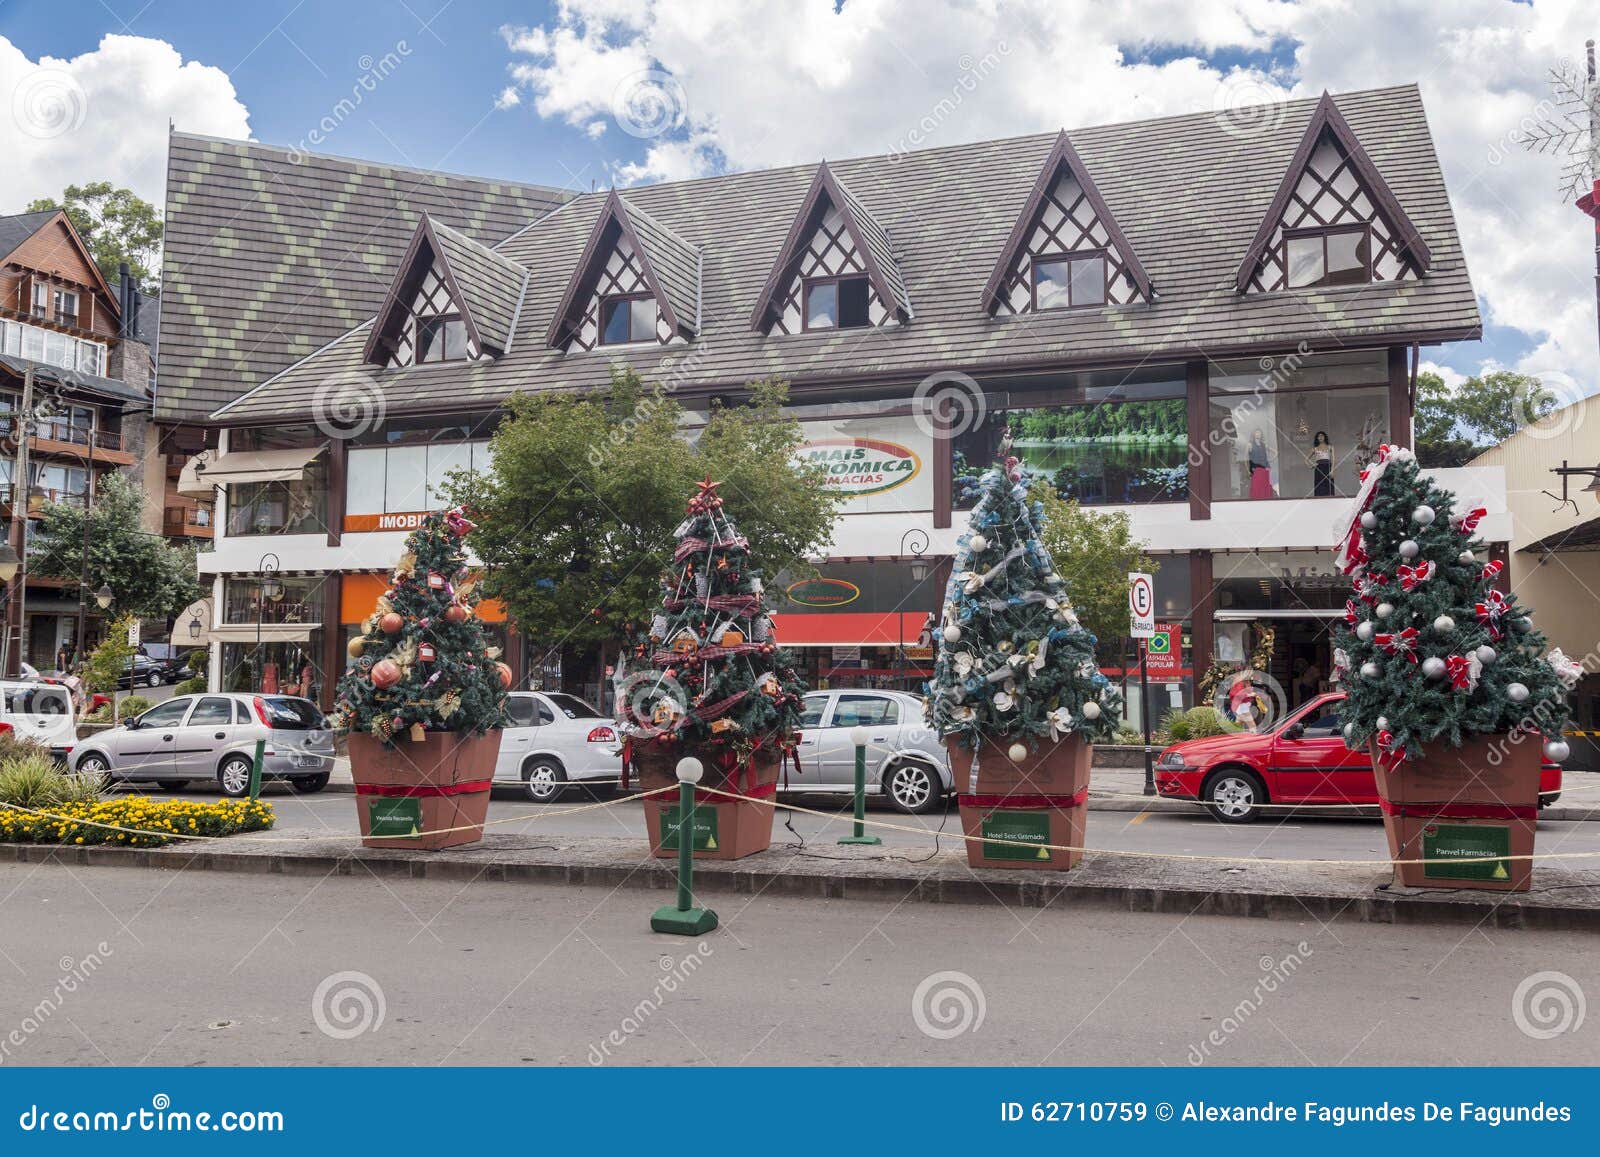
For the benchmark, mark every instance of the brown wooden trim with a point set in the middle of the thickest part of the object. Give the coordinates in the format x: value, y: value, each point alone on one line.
x: 1062, y: 153
x: 332, y: 629
x: 338, y: 477
x: 1399, y: 397
x: 613, y: 217
x: 1202, y: 599
x: 402, y: 287
x: 1197, y: 382
x: 1327, y: 116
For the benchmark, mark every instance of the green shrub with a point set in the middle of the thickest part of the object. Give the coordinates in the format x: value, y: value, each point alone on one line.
x: 14, y: 747
x: 191, y: 686
x: 198, y: 659
x: 1129, y: 736
x: 32, y: 781
x: 1176, y: 726
x: 1196, y: 723
x: 133, y: 705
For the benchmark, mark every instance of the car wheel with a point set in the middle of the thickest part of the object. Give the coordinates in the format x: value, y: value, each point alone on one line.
x: 233, y: 777
x: 93, y: 764
x: 154, y: 680
x: 175, y: 784
x: 543, y: 780
x: 1235, y: 795
x: 307, y: 784
x: 913, y: 788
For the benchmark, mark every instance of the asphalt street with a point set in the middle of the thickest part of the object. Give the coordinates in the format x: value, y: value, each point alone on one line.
x: 208, y: 968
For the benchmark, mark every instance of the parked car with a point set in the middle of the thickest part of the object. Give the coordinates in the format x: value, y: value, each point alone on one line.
x: 41, y: 712
x: 905, y: 760
x: 172, y: 658
x: 202, y: 737
x: 142, y: 671
x: 553, y: 740
x: 1301, y: 759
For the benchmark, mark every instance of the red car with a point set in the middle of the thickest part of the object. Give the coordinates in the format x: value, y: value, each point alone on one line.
x: 1302, y: 759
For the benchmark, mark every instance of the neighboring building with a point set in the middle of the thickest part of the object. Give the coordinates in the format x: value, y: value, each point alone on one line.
x: 1160, y: 315
x: 1555, y: 544
x: 90, y: 363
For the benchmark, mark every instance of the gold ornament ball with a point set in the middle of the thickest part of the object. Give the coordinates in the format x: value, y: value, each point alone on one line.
x: 356, y: 646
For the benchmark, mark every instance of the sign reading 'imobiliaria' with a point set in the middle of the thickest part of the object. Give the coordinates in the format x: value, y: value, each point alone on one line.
x: 857, y: 466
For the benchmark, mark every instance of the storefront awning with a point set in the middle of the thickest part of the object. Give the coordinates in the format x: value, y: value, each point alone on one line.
x: 849, y: 629
x: 209, y: 469
x: 1234, y: 615
x: 269, y: 632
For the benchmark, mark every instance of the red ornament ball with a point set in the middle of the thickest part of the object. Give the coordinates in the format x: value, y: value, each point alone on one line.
x: 455, y: 613
x: 385, y: 673
x: 391, y: 623
x: 505, y: 676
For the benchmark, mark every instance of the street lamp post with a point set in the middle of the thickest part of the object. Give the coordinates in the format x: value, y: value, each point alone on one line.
x: 914, y: 540
x: 267, y: 587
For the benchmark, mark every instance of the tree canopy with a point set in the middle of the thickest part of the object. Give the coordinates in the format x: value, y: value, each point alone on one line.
x: 148, y: 576
x: 1455, y: 426
x: 577, y: 510
x: 117, y: 225
x: 1093, y: 552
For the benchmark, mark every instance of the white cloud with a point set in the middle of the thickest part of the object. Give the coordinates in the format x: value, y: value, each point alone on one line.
x: 103, y: 115
x: 771, y: 82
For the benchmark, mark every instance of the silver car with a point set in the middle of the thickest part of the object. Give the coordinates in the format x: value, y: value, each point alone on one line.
x: 213, y: 737
x: 551, y: 740
x: 905, y: 760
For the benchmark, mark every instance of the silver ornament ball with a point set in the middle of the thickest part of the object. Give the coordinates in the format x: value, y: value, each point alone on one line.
x: 1017, y: 753
x: 1423, y: 515
x: 1516, y: 692
x: 1467, y: 558
x: 1364, y: 632
x: 1091, y: 709
x: 1369, y: 670
x: 1385, y: 610
x: 1369, y: 520
x: 1409, y: 548
x: 952, y: 634
x: 1444, y: 624
x: 1557, y: 751
x: 1433, y: 667
x: 978, y: 543
x: 1486, y: 654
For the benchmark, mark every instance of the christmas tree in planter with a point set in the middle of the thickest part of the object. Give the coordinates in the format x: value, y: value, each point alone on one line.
x: 711, y: 683
x: 1447, y: 683
x: 1016, y: 693
x: 424, y: 699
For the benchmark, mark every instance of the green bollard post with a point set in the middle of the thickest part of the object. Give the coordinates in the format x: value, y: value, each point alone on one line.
x: 255, y: 769
x: 685, y: 919
x: 859, y: 737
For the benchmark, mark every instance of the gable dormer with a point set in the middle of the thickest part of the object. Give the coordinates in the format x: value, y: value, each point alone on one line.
x: 1334, y: 220
x: 636, y: 281
x: 1065, y: 250
x: 452, y: 299
x: 836, y: 270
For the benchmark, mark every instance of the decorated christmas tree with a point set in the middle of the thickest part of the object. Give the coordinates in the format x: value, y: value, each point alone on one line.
x: 711, y: 673
x: 1014, y: 664
x: 422, y: 661
x: 1431, y: 652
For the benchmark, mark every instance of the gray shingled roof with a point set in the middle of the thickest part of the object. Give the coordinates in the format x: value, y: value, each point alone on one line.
x: 491, y: 283
x: 1188, y: 191
x: 673, y: 260
x: 877, y: 241
x: 18, y: 227
x: 270, y: 254
x: 73, y: 379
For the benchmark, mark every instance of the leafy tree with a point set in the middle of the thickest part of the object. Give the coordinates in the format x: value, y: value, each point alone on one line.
x: 1455, y: 426
x: 116, y: 224
x: 107, y: 662
x: 1094, y: 552
x: 577, y: 511
x: 148, y: 576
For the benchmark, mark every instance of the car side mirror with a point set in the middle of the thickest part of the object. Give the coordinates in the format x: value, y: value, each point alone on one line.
x: 1295, y: 731
x: 132, y: 724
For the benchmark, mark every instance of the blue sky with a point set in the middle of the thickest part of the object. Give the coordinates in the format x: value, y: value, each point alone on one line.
x: 767, y: 82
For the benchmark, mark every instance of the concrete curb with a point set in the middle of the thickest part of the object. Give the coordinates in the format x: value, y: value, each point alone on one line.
x: 1564, y: 901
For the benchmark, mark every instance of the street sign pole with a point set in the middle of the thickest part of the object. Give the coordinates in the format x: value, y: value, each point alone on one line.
x: 1144, y: 715
x: 1142, y: 626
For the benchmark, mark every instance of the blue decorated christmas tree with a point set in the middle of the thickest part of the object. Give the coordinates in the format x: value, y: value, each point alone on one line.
x: 1014, y: 664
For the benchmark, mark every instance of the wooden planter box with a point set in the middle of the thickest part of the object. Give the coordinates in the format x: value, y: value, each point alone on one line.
x: 433, y: 794
x: 1458, y: 803
x: 724, y: 829
x: 1040, y: 800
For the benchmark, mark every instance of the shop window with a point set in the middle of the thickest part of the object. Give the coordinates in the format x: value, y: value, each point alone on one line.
x: 299, y: 599
x: 409, y: 477
x: 274, y: 668
x: 1282, y: 580
x: 1301, y: 443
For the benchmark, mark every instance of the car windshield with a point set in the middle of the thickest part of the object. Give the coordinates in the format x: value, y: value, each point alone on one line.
x: 41, y: 699
x: 573, y: 707
x: 290, y: 713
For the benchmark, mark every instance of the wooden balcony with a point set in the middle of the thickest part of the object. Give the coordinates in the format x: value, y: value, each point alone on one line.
x: 187, y: 522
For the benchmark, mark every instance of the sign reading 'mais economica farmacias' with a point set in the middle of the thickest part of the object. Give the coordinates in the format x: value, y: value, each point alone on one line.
x: 858, y: 466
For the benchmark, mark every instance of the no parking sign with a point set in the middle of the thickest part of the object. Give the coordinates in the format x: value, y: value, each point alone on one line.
x: 1141, y: 605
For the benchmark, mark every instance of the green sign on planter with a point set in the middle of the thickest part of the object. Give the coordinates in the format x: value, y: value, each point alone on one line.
x: 1467, y: 842
x: 705, y: 828
x: 395, y: 816
x: 1031, y: 827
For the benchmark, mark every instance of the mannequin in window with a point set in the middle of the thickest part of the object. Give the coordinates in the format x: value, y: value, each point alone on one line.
x: 1259, y: 459
x: 1321, y: 462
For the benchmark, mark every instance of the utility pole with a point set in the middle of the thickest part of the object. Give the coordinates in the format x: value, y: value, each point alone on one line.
x: 16, y: 602
x: 83, y: 561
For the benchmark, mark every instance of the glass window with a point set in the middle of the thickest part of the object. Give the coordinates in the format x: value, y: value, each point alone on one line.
x: 166, y: 714
x: 275, y: 669
x: 573, y: 707
x: 441, y: 339
x: 213, y: 710
x: 822, y: 305
x: 297, y: 507
x: 41, y: 299
x: 520, y: 710
x: 33, y: 343
x: 865, y: 711
x: 627, y: 319
x: 291, y: 713
x: 299, y: 599
x: 443, y: 459
x: 241, y: 712
x: 406, y: 485
x: 1328, y: 257
x: 1068, y: 282
x: 365, y: 480
x: 66, y: 307
x: 36, y: 700
x: 1322, y: 724
x: 814, y: 707
x: 836, y: 303
x: 1278, y: 580
x: 852, y: 302
x: 1295, y: 443
x: 58, y: 350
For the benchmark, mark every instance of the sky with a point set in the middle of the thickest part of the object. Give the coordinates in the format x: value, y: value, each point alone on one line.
x: 591, y: 93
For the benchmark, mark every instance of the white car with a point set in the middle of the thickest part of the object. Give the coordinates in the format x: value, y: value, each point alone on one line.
x: 41, y: 712
x: 906, y: 762
x: 551, y: 740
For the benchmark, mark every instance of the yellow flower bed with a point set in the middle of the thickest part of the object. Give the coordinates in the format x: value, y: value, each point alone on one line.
x: 156, y: 822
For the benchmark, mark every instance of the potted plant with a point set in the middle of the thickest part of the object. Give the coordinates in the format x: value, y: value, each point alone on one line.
x: 1016, y: 693
x: 1447, y: 684
x: 710, y: 681
x: 424, y: 699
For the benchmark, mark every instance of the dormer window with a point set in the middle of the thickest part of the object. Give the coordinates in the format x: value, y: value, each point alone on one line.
x: 836, y: 303
x: 626, y: 318
x: 1073, y: 282
x: 441, y: 339
x: 1328, y: 257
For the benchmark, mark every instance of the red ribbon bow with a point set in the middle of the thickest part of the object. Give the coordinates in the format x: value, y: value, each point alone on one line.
x: 1491, y: 570
x: 1352, y: 612
x: 1490, y: 611
x: 1410, y: 576
x: 1467, y: 522
x: 1367, y: 586
x: 1399, y: 642
x: 1459, y: 668
x: 1388, y: 746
